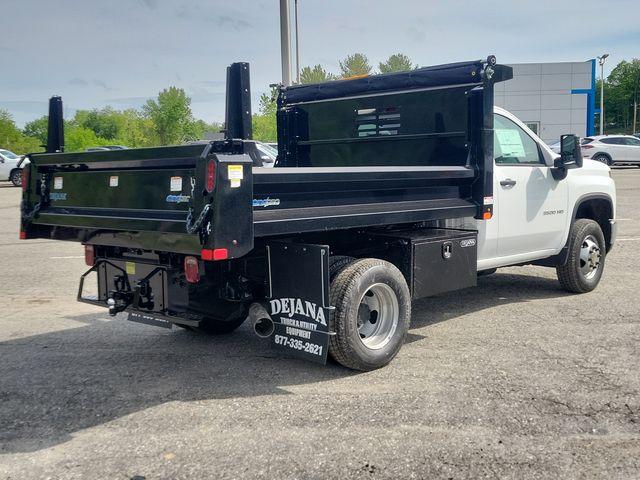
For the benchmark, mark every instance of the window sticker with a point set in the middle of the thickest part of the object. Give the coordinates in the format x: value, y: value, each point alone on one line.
x: 510, y: 143
x: 176, y: 184
x: 235, y: 175
x: 113, y: 181
x: 57, y: 183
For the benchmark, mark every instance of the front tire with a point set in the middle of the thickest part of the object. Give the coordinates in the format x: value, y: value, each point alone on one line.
x: 587, y: 251
x: 16, y: 177
x: 372, y: 314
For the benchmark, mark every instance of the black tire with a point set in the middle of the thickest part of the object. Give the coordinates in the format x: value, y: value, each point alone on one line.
x: 229, y: 317
x: 16, y: 177
x: 572, y: 274
x: 606, y: 159
x: 348, y: 289
x: 337, y: 263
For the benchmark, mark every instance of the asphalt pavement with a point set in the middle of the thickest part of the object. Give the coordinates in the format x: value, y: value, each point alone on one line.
x: 513, y: 379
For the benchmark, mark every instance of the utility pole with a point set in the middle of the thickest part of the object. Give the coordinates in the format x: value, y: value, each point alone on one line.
x: 285, y: 42
x: 635, y: 102
x: 295, y: 5
x: 601, y: 60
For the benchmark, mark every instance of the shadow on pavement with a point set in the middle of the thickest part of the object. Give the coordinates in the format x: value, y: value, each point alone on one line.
x: 55, y: 384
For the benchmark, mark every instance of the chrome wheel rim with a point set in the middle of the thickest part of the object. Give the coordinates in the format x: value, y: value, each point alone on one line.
x: 378, y: 314
x: 589, y: 257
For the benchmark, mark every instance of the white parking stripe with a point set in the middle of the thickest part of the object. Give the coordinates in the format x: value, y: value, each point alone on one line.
x: 627, y: 239
x: 70, y: 256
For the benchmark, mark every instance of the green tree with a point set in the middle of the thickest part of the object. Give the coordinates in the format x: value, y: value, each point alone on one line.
x: 37, y: 129
x: 355, y: 65
x: 622, y: 89
x: 396, y: 63
x: 315, y: 74
x: 105, y: 123
x: 171, y: 115
x: 13, y: 139
x: 264, y: 122
x: 78, y: 138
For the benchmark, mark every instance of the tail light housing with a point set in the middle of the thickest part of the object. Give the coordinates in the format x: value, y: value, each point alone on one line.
x: 586, y: 147
x: 215, y: 254
x: 191, y: 269
x: 210, y: 183
x: 24, y: 177
x: 89, y: 255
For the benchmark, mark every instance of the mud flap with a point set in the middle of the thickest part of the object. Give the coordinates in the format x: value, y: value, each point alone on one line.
x: 299, y: 299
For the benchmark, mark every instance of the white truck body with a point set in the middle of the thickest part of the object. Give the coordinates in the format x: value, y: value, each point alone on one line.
x: 532, y: 217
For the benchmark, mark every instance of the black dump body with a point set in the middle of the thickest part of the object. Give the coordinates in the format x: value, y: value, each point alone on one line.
x: 381, y: 150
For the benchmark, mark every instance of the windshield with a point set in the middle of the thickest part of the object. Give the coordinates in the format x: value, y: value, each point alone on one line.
x: 9, y: 154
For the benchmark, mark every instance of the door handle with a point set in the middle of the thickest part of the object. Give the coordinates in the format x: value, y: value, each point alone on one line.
x: 507, y: 183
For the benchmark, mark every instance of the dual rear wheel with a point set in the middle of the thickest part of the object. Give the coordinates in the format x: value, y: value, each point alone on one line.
x: 372, y: 312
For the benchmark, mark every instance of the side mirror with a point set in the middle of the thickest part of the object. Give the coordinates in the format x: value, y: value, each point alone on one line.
x: 570, y: 151
x: 570, y: 156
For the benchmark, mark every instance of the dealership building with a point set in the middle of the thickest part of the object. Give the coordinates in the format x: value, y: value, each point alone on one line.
x: 551, y: 98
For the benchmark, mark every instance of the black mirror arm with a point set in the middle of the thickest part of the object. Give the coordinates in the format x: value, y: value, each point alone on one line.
x: 559, y: 169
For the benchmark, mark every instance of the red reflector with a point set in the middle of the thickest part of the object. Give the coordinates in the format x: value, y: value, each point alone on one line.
x: 89, y: 255
x: 24, y: 177
x: 215, y: 254
x: 191, y: 269
x: 23, y: 235
x: 211, y: 176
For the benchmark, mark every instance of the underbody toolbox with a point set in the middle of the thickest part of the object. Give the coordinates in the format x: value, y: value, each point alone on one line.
x: 434, y: 260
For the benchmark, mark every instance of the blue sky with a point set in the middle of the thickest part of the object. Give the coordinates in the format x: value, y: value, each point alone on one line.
x: 121, y: 52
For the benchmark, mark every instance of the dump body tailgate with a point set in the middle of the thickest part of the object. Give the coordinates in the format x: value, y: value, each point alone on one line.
x: 141, y: 194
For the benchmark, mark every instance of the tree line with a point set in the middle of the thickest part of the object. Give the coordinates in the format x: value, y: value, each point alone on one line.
x: 165, y: 120
x: 621, y: 94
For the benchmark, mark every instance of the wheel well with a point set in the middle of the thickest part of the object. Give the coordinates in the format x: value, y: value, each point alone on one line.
x: 601, y: 211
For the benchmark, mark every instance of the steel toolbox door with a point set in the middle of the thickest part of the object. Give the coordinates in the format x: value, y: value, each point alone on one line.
x: 444, y: 264
x: 433, y: 260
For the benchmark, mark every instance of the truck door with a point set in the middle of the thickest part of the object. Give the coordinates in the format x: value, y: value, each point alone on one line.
x: 532, y: 205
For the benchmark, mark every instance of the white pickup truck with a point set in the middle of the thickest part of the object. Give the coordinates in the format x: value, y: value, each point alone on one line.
x: 542, y: 219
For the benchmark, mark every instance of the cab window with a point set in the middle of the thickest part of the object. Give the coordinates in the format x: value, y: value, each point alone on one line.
x: 512, y: 145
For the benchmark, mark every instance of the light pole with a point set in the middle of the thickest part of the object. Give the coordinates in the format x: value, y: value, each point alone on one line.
x: 295, y: 6
x: 285, y: 42
x: 601, y: 60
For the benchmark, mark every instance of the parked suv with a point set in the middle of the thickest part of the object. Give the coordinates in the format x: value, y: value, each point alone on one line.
x: 9, y: 168
x: 612, y: 149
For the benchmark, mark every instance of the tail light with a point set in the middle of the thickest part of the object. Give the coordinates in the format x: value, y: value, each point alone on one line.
x: 89, y: 255
x: 586, y: 147
x: 191, y: 269
x: 211, y: 176
x: 215, y: 254
x: 26, y: 171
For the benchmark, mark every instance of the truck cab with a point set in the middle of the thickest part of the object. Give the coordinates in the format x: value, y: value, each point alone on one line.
x: 534, y: 210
